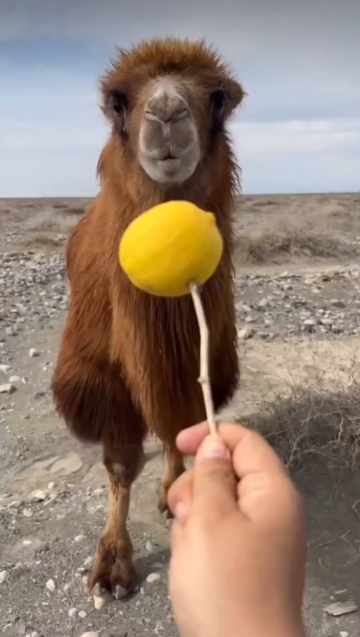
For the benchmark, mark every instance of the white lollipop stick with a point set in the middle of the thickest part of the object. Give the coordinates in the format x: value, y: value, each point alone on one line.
x: 204, y: 378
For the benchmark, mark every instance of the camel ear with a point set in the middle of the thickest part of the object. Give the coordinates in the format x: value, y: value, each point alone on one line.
x: 114, y: 107
x: 223, y: 102
x: 234, y: 95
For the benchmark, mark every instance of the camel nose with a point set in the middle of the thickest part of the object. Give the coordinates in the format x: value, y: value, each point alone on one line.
x: 166, y: 106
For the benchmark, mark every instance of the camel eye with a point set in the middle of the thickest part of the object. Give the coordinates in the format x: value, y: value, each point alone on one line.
x: 119, y: 102
x: 218, y: 99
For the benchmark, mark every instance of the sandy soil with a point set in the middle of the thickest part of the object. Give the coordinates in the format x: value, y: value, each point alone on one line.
x: 298, y: 313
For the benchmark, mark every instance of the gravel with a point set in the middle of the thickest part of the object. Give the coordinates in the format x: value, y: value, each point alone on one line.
x: 49, y: 528
x: 290, y: 306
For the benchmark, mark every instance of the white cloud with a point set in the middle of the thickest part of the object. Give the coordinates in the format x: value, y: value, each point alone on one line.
x: 304, y: 156
x: 296, y: 138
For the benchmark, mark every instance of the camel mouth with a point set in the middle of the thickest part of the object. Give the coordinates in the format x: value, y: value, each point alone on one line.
x: 170, y: 160
x: 170, y: 164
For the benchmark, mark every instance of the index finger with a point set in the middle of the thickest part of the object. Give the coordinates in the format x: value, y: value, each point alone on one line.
x: 250, y: 451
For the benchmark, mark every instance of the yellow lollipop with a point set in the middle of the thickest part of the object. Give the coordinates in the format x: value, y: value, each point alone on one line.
x: 168, y: 247
x: 169, y: 251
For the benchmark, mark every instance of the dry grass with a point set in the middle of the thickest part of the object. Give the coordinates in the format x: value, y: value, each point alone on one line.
x: 41, y: 240
x: 48, y: 221
x: 314, y: 420
x: 289, y: 236
x: 74, y: 210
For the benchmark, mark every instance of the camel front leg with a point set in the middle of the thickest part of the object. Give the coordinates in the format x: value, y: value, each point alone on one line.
x: 114, y: 568
x: 174, y: 467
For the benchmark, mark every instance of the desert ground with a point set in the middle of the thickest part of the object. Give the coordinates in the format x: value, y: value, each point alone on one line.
x: 298, y: 302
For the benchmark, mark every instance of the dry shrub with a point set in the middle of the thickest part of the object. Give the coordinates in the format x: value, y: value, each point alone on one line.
x: 69, y: 209
x: 74, y: 210
x: 48, y: 221
x: 59, y: 205
x: 41, y: 240
x: 293, y: 236
x: 27, y: 204
x: 314, y: 419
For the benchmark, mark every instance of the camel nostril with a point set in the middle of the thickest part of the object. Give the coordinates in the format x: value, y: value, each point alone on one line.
x: 166, y: 116
x: 184, y: 112
x: 151, y: 116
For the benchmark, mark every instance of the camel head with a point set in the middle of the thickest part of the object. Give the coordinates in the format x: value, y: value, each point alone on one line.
x: 168, y: 101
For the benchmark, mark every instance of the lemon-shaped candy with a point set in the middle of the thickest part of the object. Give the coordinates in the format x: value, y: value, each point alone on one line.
x: 170, y: 246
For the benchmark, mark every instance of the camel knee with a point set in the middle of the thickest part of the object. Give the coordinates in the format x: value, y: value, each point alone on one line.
x: 124, y: 465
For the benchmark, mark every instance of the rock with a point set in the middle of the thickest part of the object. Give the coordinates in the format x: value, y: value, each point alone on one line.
x: 341, y: 608
x: 100, y: 602
x: 246, y: 333
x: 120, y: 592
x: 37, y: 496
x: 263, y: 303
x: 7, y: 388
x: 14, y: 379
x: 15, y: 504
x: 266, y: 335
x: 5, y: 369
x: 79, y: 538
x: 327, y: 322
x: 309, y: 325
x: 39, y: 546
x: 10, y: 331
x: 337, y: 329
x: 27, y: 513
x: 90, y: 633
x: 337, y: 303
x: 82, y: 614
x: 88, y: 562
x: 153, y: 578
x: 344, y: 634
x: 50, y: 585
x: 2, y: 576
x: 33, y: 353
x: 73, y: 612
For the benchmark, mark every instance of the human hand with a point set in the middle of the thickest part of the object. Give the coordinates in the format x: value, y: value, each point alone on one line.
x: 238, y: 541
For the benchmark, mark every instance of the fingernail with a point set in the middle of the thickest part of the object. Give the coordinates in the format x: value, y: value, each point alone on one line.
x: 180, y: 513
x: 213, y: 447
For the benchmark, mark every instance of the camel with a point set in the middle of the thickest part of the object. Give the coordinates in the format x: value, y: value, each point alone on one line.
x: 128, y: 362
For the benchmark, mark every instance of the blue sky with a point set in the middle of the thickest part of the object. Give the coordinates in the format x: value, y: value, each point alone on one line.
x: 299, y: 128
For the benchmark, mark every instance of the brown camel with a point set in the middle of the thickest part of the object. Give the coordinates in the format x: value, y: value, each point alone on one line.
x: 129, y: 362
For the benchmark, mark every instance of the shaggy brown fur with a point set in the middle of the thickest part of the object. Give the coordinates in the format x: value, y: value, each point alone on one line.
x: 129, y: 362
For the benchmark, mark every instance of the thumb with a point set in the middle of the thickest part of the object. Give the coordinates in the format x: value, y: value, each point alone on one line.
x: 214, y: 487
